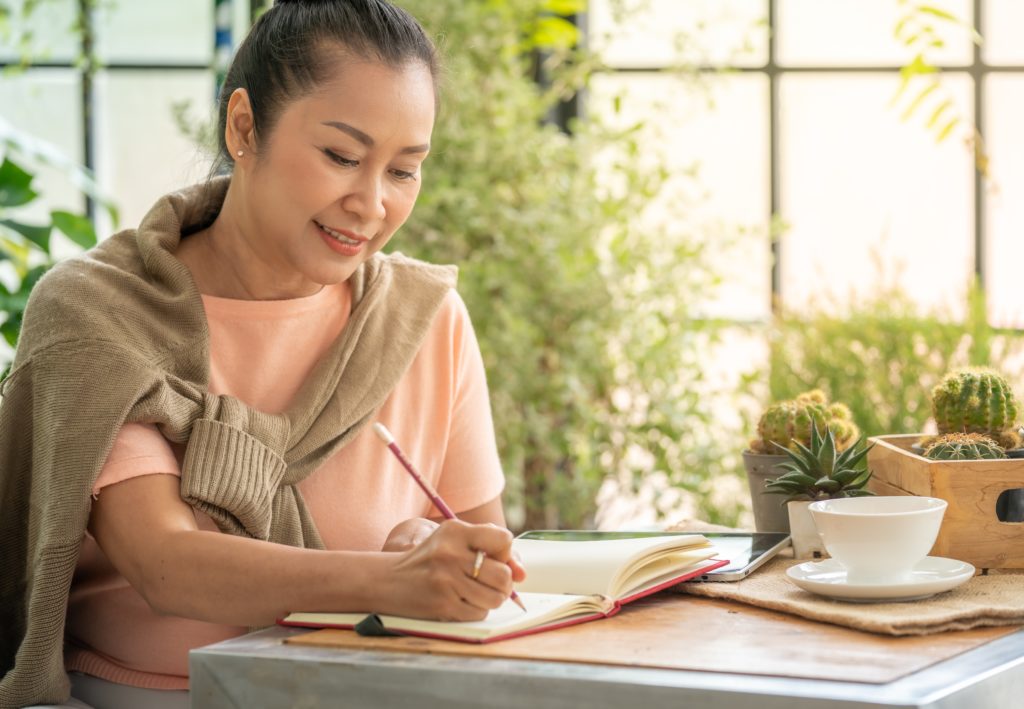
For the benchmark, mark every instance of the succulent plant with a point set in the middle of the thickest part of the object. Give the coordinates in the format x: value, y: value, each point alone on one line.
x: 787, y: 423
x: 821, y: 471
x: 976, y: 400
x: 964, y: 446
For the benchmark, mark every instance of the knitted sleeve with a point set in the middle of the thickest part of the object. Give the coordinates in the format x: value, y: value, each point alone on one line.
x: 60, y: 411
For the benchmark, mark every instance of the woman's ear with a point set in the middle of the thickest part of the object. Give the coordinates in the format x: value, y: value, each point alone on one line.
x: 240, y: 128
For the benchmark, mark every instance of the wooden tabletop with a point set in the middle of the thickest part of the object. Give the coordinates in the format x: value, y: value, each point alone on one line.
x: 674, y: 632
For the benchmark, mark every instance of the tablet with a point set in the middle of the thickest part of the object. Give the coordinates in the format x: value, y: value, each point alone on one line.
x: 745, y: 551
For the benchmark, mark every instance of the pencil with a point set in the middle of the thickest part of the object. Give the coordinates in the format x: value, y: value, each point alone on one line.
x: 385, y: 435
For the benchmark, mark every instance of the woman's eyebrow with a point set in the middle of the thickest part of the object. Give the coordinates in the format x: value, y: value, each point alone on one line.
x: 368, y: 141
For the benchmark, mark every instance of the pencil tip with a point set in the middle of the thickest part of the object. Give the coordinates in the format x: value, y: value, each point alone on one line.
x: 518, y: 602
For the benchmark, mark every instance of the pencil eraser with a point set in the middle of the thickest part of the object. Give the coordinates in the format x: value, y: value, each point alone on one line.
x: 382, y: 431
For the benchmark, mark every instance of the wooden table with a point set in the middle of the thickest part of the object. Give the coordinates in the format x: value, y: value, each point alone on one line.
x: 665, y: 651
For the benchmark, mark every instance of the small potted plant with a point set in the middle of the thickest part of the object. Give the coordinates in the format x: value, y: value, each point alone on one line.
x: 964, y: 446
x: 985, y: 490
x: 781, y: 427
x: 819, y: 471
x: 976, y: 400
x: 977, y: 446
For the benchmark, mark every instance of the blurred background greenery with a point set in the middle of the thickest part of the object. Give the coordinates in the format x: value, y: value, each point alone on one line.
x: 621, y: 393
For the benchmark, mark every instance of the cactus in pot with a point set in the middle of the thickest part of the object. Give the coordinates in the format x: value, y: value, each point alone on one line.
x: 964, y: 446
x: 976, y: 400
x: 785, y: 424
x: 819, y: 471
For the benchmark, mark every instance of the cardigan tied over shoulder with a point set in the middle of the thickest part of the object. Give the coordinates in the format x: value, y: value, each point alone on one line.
x: 119, y: 335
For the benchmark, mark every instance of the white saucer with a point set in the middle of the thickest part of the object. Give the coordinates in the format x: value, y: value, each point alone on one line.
x: 931, y: 575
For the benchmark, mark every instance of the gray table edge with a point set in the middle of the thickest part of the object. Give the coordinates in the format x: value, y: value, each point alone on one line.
x: 256, y: 668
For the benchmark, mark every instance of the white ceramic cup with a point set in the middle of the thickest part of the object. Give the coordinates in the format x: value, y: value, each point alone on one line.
x: 878, y: 539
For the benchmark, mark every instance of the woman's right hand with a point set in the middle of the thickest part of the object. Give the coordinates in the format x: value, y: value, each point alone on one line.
x: 435, y: 579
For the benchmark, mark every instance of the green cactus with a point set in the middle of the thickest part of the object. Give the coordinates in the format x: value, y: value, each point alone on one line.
x: 787, y: 423
x: 820, y: 471
x: 964, y: 446
x: 976, y: 401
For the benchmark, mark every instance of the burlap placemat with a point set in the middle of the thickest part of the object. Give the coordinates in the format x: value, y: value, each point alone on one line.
x: 996, y: 599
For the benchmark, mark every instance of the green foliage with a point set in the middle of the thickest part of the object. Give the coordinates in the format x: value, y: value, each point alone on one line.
x: 26, y: 243
x: 19, y: 20
x: 964, y: 446
x: 885, y: 356
x: 584, y: 316
x: 27, y: 247
x: 922, y: 30
x: 882, y: 358
x: 789, y: 424
x: 821, y: 471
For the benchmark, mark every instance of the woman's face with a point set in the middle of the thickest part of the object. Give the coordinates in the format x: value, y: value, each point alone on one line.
x: 339, y: 173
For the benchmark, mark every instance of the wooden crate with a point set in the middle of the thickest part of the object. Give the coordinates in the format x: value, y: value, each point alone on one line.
x: 970, y: 529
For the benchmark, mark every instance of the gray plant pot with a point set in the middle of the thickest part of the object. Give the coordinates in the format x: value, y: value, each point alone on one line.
x: 770, y: 513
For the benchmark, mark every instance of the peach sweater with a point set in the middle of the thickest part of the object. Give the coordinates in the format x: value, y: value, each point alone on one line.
x: 261, y: 352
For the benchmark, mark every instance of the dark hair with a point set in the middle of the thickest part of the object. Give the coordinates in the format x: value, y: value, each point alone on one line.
x: 288, y: 52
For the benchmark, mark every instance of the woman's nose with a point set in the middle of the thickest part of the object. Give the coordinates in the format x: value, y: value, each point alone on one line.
x: 366, y: 200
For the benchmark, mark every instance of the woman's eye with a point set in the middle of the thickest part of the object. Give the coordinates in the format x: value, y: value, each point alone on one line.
x: 339, y: 159
x: 404, y: 174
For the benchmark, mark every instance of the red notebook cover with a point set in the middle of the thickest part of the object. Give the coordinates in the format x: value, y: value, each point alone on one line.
x: 709, y: 565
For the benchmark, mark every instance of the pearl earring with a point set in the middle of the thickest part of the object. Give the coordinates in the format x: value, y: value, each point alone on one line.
x: 240, y: 153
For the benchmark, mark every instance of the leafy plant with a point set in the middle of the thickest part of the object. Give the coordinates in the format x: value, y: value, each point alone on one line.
x: 921, y: 30
x: 591, y: 343
x: 787, y: 424
x: 964, y: 446
x: 883, y: 356
x: 27, y: 247
x: 821, y: 471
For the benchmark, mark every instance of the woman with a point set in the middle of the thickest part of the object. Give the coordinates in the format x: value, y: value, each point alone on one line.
x: 215, y: 371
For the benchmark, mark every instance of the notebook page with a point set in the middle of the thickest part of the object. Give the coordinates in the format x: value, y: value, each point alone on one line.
x: 660, y: 568
x: 587, y: 567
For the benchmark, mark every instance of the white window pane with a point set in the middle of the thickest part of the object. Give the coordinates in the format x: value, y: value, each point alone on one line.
x: 47, y: 104
x: 156, y: 31
x: 1003, y: 22
x: 721, y: 128
x: 1005, y: 203
x: 140, y: 152
x: 861, y: 33
x: 51, y: 28
x: 655, y: 33
x: 860, y: 188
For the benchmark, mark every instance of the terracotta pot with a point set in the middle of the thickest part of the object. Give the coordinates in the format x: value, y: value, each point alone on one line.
x: 769, y: 511
x: 807, y: 542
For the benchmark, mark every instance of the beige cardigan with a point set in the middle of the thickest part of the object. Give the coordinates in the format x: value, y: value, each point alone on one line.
x: 119, y: 335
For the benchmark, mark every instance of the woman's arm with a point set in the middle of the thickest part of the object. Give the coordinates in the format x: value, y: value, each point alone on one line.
x: 151, y: 537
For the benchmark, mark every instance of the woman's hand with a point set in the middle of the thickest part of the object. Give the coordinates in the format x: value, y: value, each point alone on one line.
x: 408, y: 534
x: 435, y: 580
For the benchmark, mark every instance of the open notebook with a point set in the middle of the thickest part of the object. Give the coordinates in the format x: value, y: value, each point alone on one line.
x: 567, y: 583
